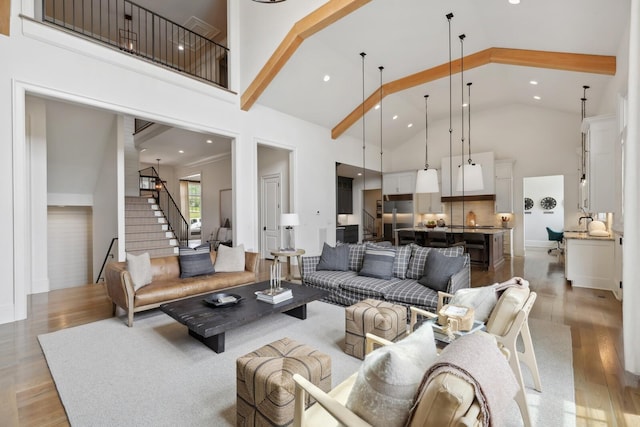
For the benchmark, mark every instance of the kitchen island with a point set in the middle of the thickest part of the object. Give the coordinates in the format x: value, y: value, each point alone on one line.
x: 485, y: 245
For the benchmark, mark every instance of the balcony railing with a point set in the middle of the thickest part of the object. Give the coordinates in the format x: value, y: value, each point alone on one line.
x: 138, y: 31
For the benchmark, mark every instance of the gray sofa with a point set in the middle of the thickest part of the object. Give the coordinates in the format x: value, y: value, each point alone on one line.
x: 348, y: 287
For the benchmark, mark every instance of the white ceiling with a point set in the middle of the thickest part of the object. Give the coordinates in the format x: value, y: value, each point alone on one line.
x: 409, y: 36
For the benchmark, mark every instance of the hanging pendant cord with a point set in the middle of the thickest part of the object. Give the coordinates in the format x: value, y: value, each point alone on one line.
x: 381, y: 68
x: 364, y: 181
x: 449, y: 16
x: 426, y: 130
x: 584, y: 135
x: 462, y: 37
x: 469, y: 116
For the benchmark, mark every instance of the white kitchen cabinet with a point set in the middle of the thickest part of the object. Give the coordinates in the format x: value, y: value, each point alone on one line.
x: 589, y: 263
x: 596, y: 192
x: 399, y: 182
x: 450, y: 181
x: 504, y: 186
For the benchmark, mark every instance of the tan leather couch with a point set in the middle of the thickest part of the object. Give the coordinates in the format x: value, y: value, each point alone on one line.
x: 167, y: 285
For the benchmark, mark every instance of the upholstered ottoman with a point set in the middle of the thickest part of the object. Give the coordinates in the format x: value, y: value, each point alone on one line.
x: 264, y: 386
x: 384, y: 319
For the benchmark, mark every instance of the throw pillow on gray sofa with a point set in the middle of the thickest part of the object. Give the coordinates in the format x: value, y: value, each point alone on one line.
x: 378, y: 262
x: 419, y: 258
x: 438, y: 269
x: 334, y: 258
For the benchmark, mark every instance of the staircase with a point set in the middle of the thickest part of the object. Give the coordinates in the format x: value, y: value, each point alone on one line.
x: 146, y: 228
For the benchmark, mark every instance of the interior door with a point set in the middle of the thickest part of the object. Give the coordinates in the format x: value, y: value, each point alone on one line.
x: 270, y: 213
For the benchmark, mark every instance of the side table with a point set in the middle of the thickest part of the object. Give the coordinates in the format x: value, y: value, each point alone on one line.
x: 288, y: 254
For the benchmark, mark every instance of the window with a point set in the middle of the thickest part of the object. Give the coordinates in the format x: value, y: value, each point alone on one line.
x: 195, y: 195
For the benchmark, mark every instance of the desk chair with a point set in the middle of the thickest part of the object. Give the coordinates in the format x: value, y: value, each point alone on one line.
x: 558, y: 237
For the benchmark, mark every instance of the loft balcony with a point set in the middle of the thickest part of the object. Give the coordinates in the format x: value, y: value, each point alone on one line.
x: 137, y: 31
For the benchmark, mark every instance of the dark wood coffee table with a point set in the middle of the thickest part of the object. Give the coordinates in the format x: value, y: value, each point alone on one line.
x: 208, y: 324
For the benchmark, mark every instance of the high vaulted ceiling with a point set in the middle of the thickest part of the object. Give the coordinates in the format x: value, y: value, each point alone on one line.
x: 409, y: 36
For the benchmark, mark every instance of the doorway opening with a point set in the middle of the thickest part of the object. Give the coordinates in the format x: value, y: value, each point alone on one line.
x: 543, y: 207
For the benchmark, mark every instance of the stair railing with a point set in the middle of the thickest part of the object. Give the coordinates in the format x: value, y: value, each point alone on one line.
x: 150, y: 181
x: 136, y: 30
x: 106, y: 258
x: 369, y: 224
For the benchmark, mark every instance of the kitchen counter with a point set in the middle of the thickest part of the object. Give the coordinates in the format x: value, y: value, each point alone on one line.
x: 583, y: 235
x: 486, y: 249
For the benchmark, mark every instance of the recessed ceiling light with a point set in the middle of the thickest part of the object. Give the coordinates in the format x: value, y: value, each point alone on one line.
x: 465, y: 105
x: 143, y: 150
x: 533, y: 82
x: 514, y: 1
x: 180, y: 47
x: 395, y: 117
x: 537, y: 98
x: 359, y: 173
x: 410, y: 125
x: 209, y: 141
x: 181, y: 151
x: 326, y: 77
x: 377, y: 107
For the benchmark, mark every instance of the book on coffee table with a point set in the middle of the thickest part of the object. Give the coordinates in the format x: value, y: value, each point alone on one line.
x: 274, y: 297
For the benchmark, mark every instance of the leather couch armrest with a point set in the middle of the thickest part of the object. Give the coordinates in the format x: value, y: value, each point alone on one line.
x: 251, y: 261
x: 119, y: 285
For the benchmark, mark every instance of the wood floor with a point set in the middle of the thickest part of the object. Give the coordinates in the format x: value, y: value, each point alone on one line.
x: 605, y: 395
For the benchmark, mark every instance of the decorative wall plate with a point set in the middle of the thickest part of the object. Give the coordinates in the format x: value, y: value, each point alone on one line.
x: 528, y: 203
x: 548, y: 203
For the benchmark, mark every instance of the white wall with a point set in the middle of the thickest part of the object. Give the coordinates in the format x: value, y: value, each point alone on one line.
x: 537, y: 219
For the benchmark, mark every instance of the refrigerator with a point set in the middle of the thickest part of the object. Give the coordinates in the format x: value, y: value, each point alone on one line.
x: 397, y: 214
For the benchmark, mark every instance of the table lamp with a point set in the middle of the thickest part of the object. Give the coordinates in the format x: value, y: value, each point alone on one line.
x: 288, y: 221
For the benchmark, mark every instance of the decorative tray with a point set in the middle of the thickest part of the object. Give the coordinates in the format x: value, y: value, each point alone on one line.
x: 222, y: 299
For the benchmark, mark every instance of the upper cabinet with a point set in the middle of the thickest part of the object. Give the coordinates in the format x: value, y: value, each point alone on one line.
x: 450, y: 174
x: 596, y: 191
x: 399, y: 183
x: 345, y: 195
x: 504, y: 186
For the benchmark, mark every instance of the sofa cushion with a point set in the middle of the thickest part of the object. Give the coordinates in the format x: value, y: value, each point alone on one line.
x: 336, y: 259
x: 139, y: 267
x: 401, y: 262
x: 328, y: 279
x: 419, y: 257
x: 367, y: 287
x: 195, y: 261
x: 378, y: 262
x: 356, y: 256
x: 438, y: 269
x: 229, y: 259
x: 410, y: 292
x: 389, y: 377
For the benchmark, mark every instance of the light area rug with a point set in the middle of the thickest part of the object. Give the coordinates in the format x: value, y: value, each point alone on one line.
x: 155, y: 374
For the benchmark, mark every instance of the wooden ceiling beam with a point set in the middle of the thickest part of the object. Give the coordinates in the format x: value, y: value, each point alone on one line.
x: 5, y: 16
x: 317, y: 20
x: 597, y: 64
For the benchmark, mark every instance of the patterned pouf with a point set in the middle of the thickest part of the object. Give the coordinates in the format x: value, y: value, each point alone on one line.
x: 265, y: 387
x: 386, y: 320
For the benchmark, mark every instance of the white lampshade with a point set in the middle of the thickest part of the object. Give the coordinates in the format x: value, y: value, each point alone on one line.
x: 472, y: 177
x: 289, y: 219
x: 427, y: 181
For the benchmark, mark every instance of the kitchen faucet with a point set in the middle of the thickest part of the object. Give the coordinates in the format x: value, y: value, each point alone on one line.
x: 588, y: 217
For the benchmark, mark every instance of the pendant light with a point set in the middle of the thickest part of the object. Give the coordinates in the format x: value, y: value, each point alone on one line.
x: 427, y: 179
x: 158, y: 179
x: 470, y: 174
x: 583, y: 166
x: 364, y: 182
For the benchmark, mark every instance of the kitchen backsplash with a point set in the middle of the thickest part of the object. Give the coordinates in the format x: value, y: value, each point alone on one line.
x: 483, y: 210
